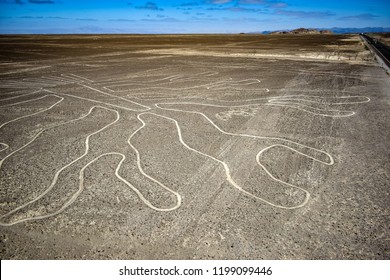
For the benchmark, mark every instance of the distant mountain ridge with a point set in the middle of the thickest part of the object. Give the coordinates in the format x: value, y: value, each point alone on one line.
x: 341, y: 30
x: 336, y: 30
x: 303, y: 31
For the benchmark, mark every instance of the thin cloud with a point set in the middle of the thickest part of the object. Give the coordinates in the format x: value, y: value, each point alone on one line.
x: 267, y: 3
x: 91, y: 29
x: 359, y: 17
x: 219, y: 1
x: 304, y: 14
x: 169, y: 19
x: 20, y: 2
x: 150, y: 6
x: 190, y: 4
x: 244, y: 19
x: 242, y: 9
x: 41, y: 2
x: 41, y: 17
x: 57, y: 18
x: 278, y: 5
x: 31, y: 17
x: 252, y: 2
x: 17, y: 2
x: 121, y: 20
x: 87, y: 19
x: 237, y: 9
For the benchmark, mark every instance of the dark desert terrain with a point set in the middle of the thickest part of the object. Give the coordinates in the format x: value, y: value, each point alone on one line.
x: 193, y: 147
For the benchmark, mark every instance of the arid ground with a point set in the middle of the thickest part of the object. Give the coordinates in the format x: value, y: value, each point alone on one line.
x: 193, y: 147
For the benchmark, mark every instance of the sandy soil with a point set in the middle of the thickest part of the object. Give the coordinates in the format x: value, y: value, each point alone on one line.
x: 193, y: 147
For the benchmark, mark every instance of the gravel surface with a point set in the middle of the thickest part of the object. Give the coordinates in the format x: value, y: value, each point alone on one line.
x: 193, y: 147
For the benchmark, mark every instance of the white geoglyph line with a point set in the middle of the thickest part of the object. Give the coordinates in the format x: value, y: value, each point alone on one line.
x: 175, y: 77
x: 21, y: 95
x: 119, y: 97
x: 3, y: 148
x: 148, y: 176
x: 227, y: 169
x: 80, y: 77
x: 331, y: 161
x: 141, y: 74
x: 48, y: 81
x: 26, y: 85
x: 56, y: 175
x: 38, y: 134
x: 279, y: 101
x: 24, y: 101
x: 291, y: 101
x: 298, y: 98
x: 166, y: 97
x: 301, y: 98
x: 95, y: 101
x: 36, y: 113
x: 315, y: 111
x: 57, y: 80
x: 224, y: 84
x: 81, y: 176
x: 71, y: 79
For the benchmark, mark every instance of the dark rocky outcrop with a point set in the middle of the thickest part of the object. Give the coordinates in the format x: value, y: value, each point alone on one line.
x: 303, y: 31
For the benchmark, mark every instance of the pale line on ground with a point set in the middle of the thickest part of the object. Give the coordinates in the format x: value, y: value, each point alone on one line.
x: 179, y: 77
x: 253, y: 136
x: 24, y: 101
x: 21, y: 95
x: 71, y: 79
x: 56, y: 175
x: 279, y: 101
x: 81, y: 177
x: 26, y: 85
x: 193, y: 97
x: 93, y: 100
x: 299, y: 106
x: 3, y: 149
x: 221, y: 84
x: 119, y: 97
x: 139, y: 74
x: 148, y: 176
x: 57, y: 80
x: 227, y: 169
x: 292, y: 98
x: 82, y: 78
x: 36, y: 113
x: 38, y: 134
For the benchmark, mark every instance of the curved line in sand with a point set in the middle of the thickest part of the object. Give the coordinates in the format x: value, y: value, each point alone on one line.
x: 227, y: 169
x: 331, y: 161
x: 58, y: 172
x: 36, y: 113
x: 21, y: 95
x: 315, y: 111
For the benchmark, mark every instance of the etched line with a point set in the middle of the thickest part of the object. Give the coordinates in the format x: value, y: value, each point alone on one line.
x: 58, y: 172
x: 36, y: 113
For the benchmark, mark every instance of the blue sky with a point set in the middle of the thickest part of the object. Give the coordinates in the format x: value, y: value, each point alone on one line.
x: 187, y: 16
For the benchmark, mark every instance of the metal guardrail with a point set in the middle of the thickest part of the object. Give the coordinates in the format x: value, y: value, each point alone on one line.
x: 382, y: 59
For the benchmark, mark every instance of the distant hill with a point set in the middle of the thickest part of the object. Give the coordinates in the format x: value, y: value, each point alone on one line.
x: 303, y: 31
x: 336, y: 30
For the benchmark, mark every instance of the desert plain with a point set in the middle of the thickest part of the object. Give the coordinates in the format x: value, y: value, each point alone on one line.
x: 239, y: 146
